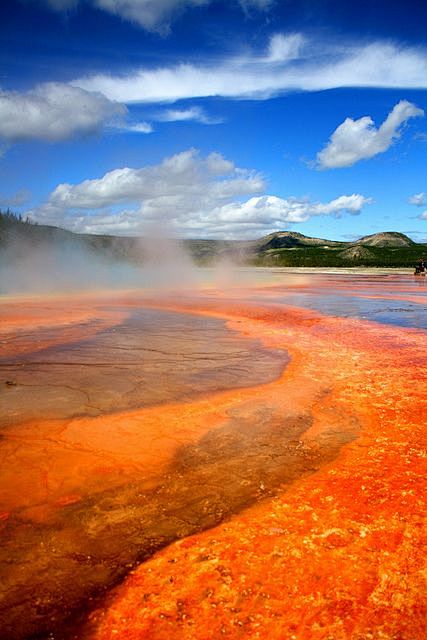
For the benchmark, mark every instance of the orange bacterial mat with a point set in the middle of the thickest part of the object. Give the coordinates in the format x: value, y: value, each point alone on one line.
x: 249, y: 463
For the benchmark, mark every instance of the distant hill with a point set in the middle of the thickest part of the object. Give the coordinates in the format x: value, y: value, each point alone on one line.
x: 387, y: 249
x: 287, y: 239
x: 282, y: 248
x: 386, y: 239
x: 355, y: 253
x: 23, y: 235
x: 292, y: 249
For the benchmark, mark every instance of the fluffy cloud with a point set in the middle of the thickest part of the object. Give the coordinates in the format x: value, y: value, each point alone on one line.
x: 290, y: 63
x: 187, y: 195
x: 54, y: 111
x: 274, y: 212
x: 57, y: 111
x: 356, y: 140
x: 184, y: 179
x: 423, y: 215
x: 152, y: 15
x: 418, y: 199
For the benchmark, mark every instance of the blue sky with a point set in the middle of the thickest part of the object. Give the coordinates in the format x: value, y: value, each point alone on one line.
x: 215, y: 119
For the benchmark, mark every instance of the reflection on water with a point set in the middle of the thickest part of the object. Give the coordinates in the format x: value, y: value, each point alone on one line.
x: 397, y: 300
x: 395, y: 312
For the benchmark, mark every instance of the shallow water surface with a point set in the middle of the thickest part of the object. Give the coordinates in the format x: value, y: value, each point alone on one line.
x: 389, y: 299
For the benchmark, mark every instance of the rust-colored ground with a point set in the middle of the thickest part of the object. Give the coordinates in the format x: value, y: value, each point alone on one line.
x: 279, y: 478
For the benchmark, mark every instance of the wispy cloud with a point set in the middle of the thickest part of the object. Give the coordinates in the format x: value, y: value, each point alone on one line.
x: 262, y: 5
x: 152, y: 15
x: 188, y: 195
x: 356, y: 140
x: 418, y: 199
x: 283, y: 48
x: 15, y: 200
x: 54, y: 111
x: 62, y: 5
x: 290, y: 63
x: 194, y: 114
x: 138, y: 127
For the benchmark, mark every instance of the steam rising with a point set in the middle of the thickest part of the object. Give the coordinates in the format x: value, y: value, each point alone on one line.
x: 156, y: 263
x: 44, y: 268
x: 166, y: 263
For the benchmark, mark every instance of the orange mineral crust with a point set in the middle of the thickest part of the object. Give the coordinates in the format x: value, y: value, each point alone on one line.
x: 337, y: 554
x: 256, y: 468
x: 31, y: 324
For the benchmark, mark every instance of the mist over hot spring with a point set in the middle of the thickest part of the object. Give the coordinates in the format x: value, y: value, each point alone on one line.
x: 155, y: 262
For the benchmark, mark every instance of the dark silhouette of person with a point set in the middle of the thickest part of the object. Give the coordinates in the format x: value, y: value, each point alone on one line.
x: 420, y: 267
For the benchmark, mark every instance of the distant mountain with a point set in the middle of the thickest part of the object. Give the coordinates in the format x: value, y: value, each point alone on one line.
x: 282, y: 248
x: 287, y: 239
x: 292, y: 249
x: 386, y: 239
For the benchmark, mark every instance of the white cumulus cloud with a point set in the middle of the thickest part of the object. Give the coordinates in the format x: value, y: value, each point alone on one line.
x: 187, y: 195
x: 356, y: 140
x: 273, y: 211
x: 185, y: 176
x: 54, y: 111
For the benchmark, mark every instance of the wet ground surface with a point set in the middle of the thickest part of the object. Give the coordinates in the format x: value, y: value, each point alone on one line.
x: 90, y: 545
x: 254, y: 467
x: 80, y: 508
x: 151, y: 357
